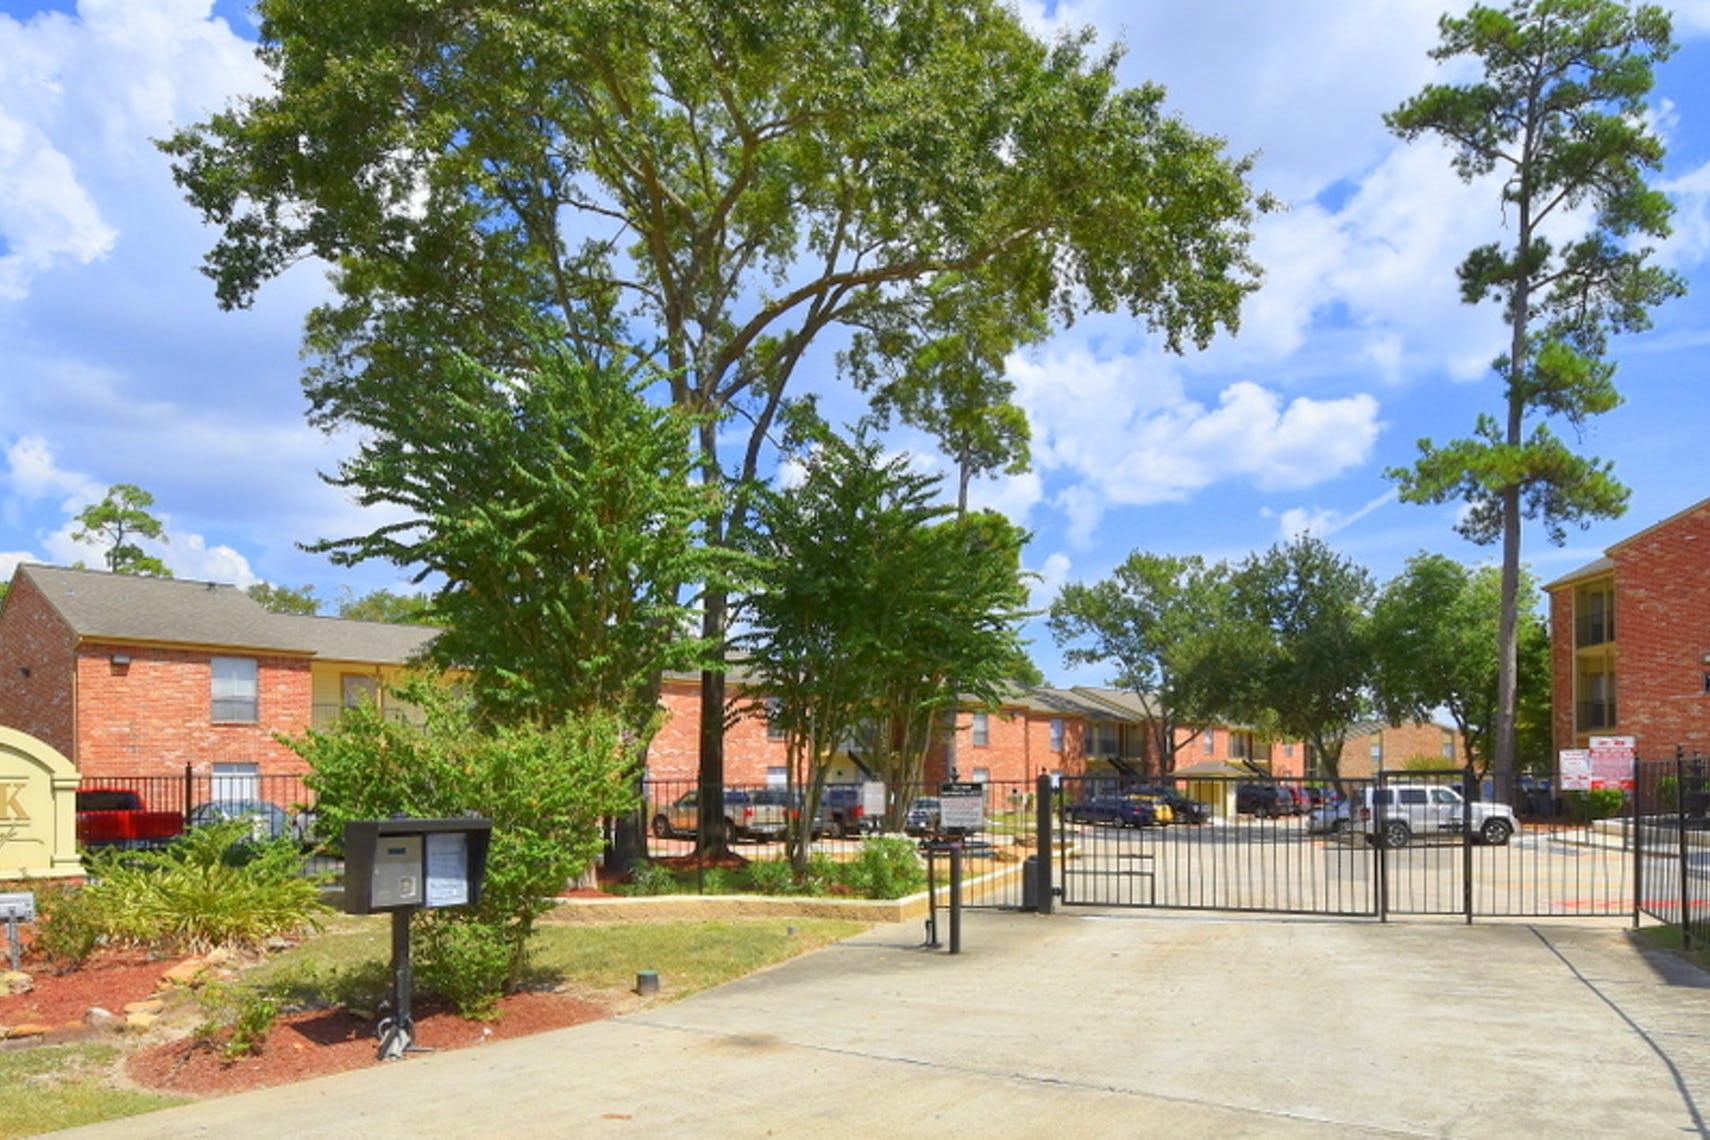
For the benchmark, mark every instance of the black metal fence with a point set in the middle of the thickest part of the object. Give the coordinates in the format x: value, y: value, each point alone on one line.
x: 1406, y: 843
x: 1670, y: 819
x: 1225, y: 843
x: 759, y: 820
x: 190, y: 792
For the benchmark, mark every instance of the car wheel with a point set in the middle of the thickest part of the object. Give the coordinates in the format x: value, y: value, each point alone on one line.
x: 1396, y: 834
x: 1336, y: 826
x: 731, y: 832
x: 662, y: 827
x: 1495, y: 832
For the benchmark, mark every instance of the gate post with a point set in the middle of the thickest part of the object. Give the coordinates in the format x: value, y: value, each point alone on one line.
x: 1044, y: 826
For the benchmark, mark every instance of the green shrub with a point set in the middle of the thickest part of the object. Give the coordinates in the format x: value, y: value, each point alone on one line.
x: 1598, y: 803
x: 651, y: 879
x: 772, y: 877
x: 212, y: 887
x: 887, y: 868
x: 68, y: 925
x: 545, y: 789
x: 242, y: 1016
x: 466, y: 962
x: 1668, y: 793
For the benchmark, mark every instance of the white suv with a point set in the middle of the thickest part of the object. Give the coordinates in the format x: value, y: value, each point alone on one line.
x: 1395, y: 813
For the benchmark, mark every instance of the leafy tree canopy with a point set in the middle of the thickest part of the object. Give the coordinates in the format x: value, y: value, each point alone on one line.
x: 700, y: 190
x: 1558, y: 111
x: 385, y: 606
x: 876, y: 606
x: 285, y: 599
x: 118, y: 521
x: 1299, y: 645
x: 555, y: 508
x: 1435, y: 636
x: 1153, y: 623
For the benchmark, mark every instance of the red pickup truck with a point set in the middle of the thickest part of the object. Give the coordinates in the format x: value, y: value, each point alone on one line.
x: 117, y: 817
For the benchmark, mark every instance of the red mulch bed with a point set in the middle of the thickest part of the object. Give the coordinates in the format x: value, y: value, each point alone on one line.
x: 320, y: 1042
x: 300, y: 1046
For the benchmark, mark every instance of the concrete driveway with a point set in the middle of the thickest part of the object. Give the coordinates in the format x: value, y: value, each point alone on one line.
x: 1084, y: 1024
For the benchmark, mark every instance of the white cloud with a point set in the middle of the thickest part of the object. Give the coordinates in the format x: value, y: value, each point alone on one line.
x: 1127, y: 434
x: 1689, y: 245
x: 1322, y: 522
x: 1049, y: 578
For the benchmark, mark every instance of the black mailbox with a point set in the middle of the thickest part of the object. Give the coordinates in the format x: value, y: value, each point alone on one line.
x: 403, y: 864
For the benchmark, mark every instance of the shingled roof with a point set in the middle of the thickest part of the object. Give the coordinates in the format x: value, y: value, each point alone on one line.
x: 125, y: 607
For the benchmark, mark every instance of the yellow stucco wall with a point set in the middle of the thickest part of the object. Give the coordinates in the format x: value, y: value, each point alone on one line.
x: 38, y: 809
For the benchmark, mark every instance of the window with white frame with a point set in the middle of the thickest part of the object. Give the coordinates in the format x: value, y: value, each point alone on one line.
x: 982, y: 734
x: 1210, y: 741
x: 236, y: 690
x: 1056, y: 734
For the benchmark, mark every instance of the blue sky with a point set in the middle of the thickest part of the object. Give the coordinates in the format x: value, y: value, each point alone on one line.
x: 116, y: 365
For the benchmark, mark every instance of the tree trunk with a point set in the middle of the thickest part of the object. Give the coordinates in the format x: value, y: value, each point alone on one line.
x: 710, y: 836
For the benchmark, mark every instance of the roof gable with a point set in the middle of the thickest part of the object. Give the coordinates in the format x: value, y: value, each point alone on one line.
x: 100, y: 606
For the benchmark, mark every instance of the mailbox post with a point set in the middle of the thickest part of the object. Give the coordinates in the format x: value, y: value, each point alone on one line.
x: 404, y: 865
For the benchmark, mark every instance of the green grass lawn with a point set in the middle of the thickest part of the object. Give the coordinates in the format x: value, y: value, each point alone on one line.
x: 62, y: 1086
x: 52, y: 1087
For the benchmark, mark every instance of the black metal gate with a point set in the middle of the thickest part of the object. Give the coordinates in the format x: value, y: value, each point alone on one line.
x: 1406, y: 843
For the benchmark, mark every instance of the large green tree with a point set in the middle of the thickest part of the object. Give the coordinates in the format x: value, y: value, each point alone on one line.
x: 878, y: 611
x: 1153, y: 622
x: 285, y: 599
x: 554, y: 510
x: 702, y: 189
x: 1297, y: 648
x: 118, y: 521
x: 1558, y: 112
x: 1435, y: 631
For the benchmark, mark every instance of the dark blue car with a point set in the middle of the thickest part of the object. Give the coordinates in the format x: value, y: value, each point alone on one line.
x: 1116, y: 810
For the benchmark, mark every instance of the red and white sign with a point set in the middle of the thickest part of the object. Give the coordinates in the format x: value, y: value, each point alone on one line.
x: 1574, y: 764
x: 1612, y: 761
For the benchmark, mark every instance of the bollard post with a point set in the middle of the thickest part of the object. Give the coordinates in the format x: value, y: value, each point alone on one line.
x: 956, y: 897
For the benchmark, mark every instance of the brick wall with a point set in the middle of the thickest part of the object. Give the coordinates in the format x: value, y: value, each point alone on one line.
x: 1662, y: 634
x: 676, y: 749
x: 1562, y: 665
x: 37, y: 666
x: 154, y: 715
x: 1400, y: 745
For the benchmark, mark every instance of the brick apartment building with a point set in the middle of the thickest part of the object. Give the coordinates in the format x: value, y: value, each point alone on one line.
x: 131, y: 676
x: 1630, y: 641
x: 1374, y: 746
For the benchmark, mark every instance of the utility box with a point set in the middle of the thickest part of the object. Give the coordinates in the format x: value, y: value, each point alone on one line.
x: 403, y: 864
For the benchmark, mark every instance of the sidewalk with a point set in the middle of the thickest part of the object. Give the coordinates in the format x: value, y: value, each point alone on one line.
x: 1085, y: 1023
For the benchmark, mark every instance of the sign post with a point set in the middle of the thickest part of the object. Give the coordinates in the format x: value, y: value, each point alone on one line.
x: 405, y: 865
x: 16, y: 907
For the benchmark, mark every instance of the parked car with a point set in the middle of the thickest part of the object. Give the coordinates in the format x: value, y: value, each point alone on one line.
x: 1266, y: 801
x: 841, y: 810
x: 266, y: 821
x: 1121, y: 811
x: 922, y: 817
x: 1184, y: 808
x: 1394, y: 814
x: 118, y: 817
x: 744, y: 817
x: 1162, y: 812
x: 1328, y: 818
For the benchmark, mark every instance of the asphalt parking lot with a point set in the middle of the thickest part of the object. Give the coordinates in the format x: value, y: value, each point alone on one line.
x: 1092, y: 1023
